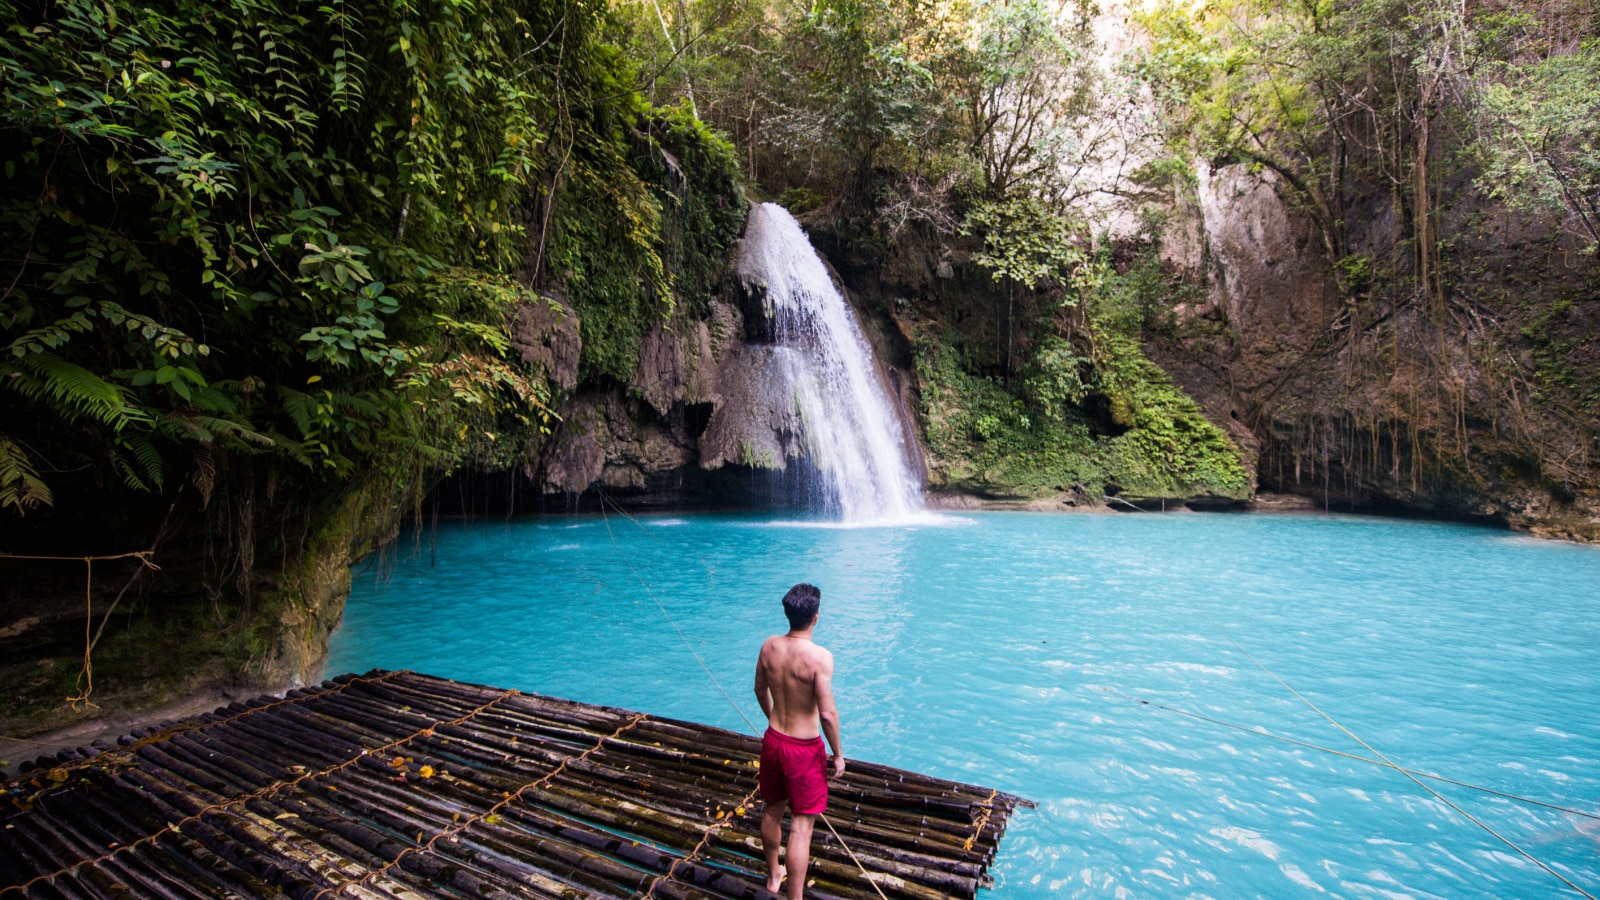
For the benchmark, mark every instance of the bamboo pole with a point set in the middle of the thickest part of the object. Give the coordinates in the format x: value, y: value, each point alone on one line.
x: 600, y: 810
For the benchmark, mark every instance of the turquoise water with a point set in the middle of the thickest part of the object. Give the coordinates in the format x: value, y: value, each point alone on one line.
x: 990, y: 648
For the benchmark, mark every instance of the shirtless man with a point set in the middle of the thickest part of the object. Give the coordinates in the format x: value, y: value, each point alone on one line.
x: 794, y: 685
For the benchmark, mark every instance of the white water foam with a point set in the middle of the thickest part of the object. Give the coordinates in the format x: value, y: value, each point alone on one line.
x: 918, y: 519
x: 850, y: 429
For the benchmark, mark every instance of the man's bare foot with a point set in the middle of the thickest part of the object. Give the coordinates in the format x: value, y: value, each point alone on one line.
x: 776, y: 880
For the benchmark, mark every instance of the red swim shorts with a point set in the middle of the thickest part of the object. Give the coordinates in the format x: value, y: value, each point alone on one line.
x: 794, y: 770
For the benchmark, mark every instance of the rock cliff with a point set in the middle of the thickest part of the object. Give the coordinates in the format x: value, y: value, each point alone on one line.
x: 1365, y: 398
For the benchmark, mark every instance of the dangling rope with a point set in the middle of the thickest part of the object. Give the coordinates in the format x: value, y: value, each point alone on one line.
x: 85, y: 683
x: 865, y: 875
x: 1404, y: 771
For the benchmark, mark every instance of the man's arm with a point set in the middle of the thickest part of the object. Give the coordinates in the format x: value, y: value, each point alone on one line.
x: 763, y: 692
x: 827, y: 711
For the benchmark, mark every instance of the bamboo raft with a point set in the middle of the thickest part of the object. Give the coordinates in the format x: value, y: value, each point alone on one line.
x: 399, y: 785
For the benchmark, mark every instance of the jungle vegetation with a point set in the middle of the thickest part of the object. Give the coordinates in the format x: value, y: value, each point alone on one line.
x: 1422, y: 138
x: 294, y: 236
x: 264, y: 231
x: 263, y: 267
x: 260, y: 257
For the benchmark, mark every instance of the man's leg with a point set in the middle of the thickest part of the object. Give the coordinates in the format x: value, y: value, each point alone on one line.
x: 799, y: 855
x: 772, y: 841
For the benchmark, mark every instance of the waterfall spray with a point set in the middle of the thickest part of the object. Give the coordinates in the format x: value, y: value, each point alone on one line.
x: 823, y: 361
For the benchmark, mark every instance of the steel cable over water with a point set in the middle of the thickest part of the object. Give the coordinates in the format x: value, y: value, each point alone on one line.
x: 1258, y: 732
x: 1382, y: 761
x: 865, y: 875
x: 1402, y: 770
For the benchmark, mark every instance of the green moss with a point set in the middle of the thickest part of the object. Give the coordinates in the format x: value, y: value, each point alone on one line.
x: 1097, y: 418
x: 656, y: 209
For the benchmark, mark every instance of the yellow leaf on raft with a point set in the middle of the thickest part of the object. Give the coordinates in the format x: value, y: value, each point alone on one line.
x: 397, y: 762
x: 739, y: 811
x: 57, y: 774
x: 426, y: 772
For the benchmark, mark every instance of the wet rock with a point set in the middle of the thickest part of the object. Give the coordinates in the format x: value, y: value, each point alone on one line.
x: 679, y: 364
x: 575, y: 462
x: 755, y: 423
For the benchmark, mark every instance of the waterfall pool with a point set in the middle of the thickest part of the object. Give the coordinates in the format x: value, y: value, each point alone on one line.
x: 998, y: 647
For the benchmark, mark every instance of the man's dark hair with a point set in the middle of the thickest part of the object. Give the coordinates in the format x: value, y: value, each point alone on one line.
x: 801, y: 604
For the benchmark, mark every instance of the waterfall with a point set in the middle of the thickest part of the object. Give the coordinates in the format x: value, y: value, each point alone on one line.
x: 823, y: 362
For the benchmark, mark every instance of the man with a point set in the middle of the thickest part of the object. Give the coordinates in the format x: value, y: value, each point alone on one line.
x: 794, y: 685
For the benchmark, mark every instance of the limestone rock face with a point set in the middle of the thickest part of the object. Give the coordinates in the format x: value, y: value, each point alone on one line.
x: 545, y: 334
x: 609, y: 438
x: 754, y: 424
x: 577, y: 458
x: 700, y: 404
x: 1265, y: 271
x: 1372, y: 401
x: 681, y: 366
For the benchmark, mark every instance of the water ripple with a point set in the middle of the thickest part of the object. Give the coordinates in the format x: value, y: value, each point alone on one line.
x: 998, y: 651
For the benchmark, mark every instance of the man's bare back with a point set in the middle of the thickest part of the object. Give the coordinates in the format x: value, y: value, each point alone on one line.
x: 797, y: 676
x: 794, y: 685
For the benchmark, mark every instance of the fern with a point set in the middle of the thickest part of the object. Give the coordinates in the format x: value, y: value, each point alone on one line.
x: 290, y: 447
x: 46, y: 378
x: 205, y: 474
x: 148, y: 457
x: 20, y: 486
x: 207, y: 429
x: 129, y: 476
x: 299, y: 408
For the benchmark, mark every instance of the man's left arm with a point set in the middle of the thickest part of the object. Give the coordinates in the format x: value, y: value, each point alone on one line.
x: 828, y: 712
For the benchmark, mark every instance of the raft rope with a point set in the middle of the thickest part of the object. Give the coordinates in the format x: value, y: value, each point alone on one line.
x: 1385, y: 761
x: 1258, y: 732
x: 264, y: 791
x: 80, y: 702
x: 865, y: 875
x: 366, y: 880
x: 705, y: 838
x: 124, y: 755
x: 1404, y: 771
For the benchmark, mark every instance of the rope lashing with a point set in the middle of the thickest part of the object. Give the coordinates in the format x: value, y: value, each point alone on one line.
x: 705, y: 838
x: 124, y: 755
x: 493, y: 810
x: 85, y: 683
x: 982, y: 823
x: 177, y: 827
